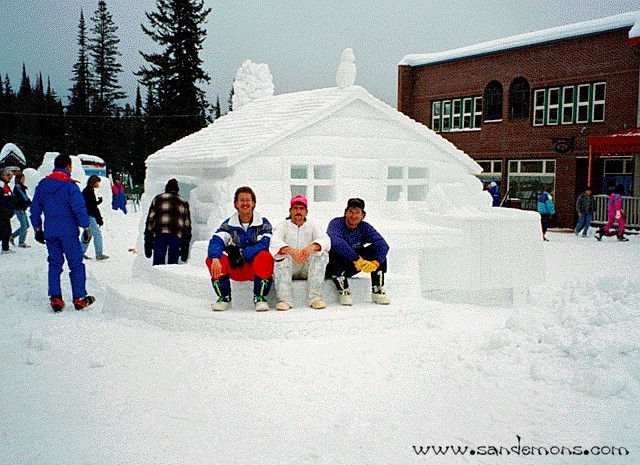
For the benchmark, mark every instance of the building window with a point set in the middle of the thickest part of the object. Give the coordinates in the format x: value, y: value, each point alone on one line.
x: 529, y: 178
x: 538, y: 107
x: 477, y: 112
x: 436, y: 113
x: 597, y: 111
x: 519, y: 99
x: 553, y: 105
x: 493, y: 102
x: 618, y: 166
x: 316, y: 182
x: 572, y: 104
x: 567, y: 104
x: 456, y: 114
x: 583, y: 104
x: 407, y: 181
x: 491, y: 171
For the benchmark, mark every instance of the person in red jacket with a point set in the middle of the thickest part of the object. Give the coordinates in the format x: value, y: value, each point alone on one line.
x: 119, y: 199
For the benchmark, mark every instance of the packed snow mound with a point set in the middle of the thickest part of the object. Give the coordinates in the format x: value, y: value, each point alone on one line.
x: 585, y: 334
x: 253, y: 81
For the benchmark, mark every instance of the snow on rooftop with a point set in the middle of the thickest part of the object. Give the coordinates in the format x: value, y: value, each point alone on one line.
x: 624, y: 20
x: 12, y: 149
x: 263, y: 121
x: 90, y: 158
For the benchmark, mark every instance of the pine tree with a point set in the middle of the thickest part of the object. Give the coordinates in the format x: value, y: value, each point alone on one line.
x: 175, y: 72
x: 79, y: 98
x: 215, y: 109
x: 9, y: 118
x: 230, y: 101
x: 138, y: 110
x: 103, y: 47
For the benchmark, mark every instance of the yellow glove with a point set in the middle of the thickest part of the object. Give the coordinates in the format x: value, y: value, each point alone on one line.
x: 368, y: 266
x: 359, y: 263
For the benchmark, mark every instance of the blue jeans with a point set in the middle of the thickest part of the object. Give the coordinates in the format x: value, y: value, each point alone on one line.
x: 97, y: 237
x: 161, y: 243
x: 583, y: 223
x: 24, y: 225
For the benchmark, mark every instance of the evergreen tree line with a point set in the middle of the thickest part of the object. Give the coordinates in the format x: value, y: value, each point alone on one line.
x: 94, y: 121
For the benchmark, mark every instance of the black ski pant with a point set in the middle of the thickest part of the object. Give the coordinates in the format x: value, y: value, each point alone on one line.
x: 341, y: 266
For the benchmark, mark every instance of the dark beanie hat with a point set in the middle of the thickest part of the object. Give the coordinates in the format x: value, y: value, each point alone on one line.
x: 355, y: 203
x: 172, y: 186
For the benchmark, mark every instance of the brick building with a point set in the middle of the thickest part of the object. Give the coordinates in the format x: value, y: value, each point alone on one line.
x: 524, y: 107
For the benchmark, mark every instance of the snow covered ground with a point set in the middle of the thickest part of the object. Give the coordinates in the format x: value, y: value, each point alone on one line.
x: 124, y: 384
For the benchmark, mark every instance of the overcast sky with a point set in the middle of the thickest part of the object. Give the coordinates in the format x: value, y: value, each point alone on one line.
x: 300, y: 40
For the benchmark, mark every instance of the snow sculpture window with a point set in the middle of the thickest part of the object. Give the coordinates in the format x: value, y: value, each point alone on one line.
x: 316, y: 182
x: 410, y: 180
x: 528, y: 178
x: 571, y: 104
x: 456, y: 114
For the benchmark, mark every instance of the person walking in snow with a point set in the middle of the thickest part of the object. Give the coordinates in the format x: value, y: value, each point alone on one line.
x: 585, y: 206
x: 615, y: 214
x: 95, y: 218
x: 300, y: 248
x: 168, y: 227
x: 7, y: 208
x: 22, y: 202
x: 118, y: 199
x: 239, y: 250
x: 356, y: 246
x: 546, y: 210
x: 59, y: 198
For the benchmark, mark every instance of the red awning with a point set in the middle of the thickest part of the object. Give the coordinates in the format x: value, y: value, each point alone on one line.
x: 624, y: 142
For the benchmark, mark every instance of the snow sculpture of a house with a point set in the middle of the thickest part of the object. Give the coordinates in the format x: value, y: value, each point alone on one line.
x: 335, y: 143
x: 11, y: 157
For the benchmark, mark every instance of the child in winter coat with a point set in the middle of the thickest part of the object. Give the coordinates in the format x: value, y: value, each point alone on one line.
x: 615, y: 214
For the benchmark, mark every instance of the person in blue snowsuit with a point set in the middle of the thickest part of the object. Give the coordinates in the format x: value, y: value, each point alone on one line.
x: 494, y: 190
x: 58, y: 197
x: 119, y: 199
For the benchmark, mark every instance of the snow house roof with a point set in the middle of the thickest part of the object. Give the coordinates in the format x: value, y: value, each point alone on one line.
x: 622, y: 21
x: 9, y: 150
x: 263, y: 122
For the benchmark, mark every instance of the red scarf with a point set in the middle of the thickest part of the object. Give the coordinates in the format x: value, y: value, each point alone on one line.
x: 6, y: 190
x: 61, y: 176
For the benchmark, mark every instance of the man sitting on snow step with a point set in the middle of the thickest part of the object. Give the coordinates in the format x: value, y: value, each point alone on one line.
x: 300, y: 249
x: 239, y: 250
x: 356, y: 246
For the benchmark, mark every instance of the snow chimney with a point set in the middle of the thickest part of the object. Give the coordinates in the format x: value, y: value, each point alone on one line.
x: 252, y: 81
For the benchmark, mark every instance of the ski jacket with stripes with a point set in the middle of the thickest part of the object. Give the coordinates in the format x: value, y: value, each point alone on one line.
x: 251, y: 242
